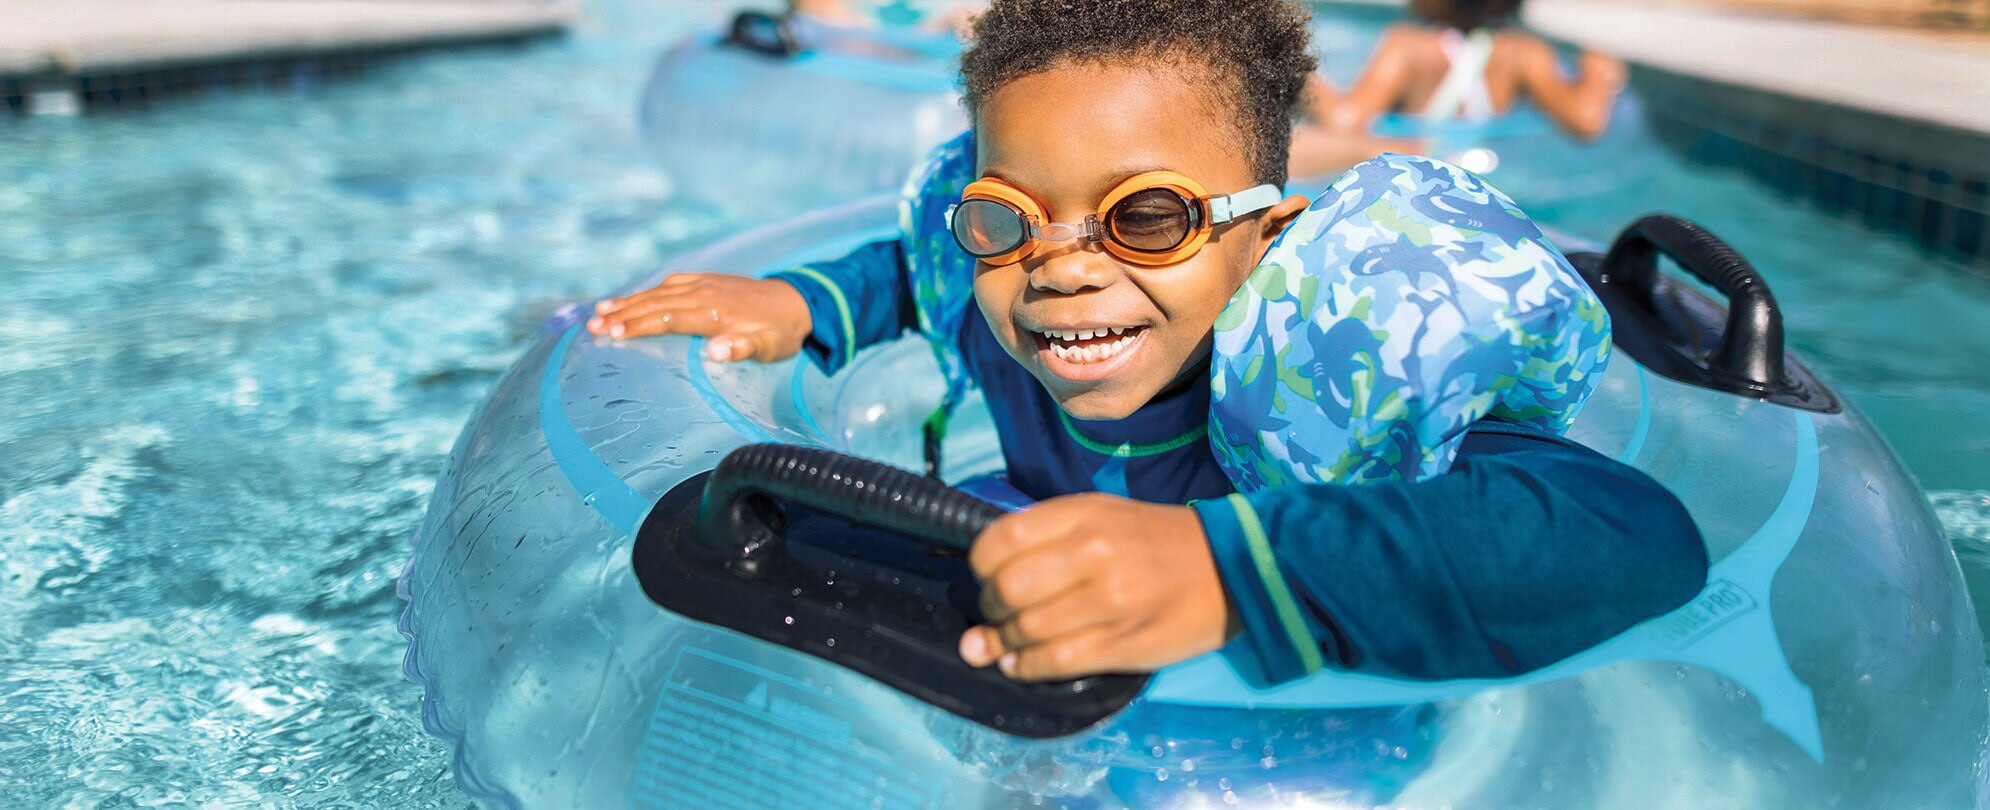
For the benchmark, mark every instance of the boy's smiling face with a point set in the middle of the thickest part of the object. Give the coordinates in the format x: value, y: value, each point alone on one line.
x: 1067, y: 136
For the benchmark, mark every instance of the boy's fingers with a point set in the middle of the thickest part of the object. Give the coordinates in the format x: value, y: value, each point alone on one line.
x: 1063, y: 615
x: 650, y: 303
x: 700, y: 321
x: 1017, y: 532
x: 1085, y: 652
x: 1030, y: 578
x: 671, y: 285
x: 645, y: 301
x: 981, y: 646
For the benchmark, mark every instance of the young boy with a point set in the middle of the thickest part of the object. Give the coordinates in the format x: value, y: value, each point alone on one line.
x: 1091, y: 337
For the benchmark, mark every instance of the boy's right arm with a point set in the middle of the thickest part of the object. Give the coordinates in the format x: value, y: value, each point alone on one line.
x: 830, y: 309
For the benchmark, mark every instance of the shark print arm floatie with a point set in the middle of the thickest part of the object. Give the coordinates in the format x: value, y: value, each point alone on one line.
x: 1409, y: 301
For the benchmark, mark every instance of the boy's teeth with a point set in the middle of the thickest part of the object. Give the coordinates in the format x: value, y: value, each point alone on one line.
x: 1085, y: 354
x: 1084, y: 334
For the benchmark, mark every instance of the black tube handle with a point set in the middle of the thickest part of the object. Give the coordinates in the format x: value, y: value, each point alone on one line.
x: 764, y: 33
x: 858, y: 489
x: 717, y: 549
x: 1751, y: 346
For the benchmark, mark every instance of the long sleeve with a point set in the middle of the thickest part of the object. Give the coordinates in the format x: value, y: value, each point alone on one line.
x: 1530, y: 549
x: 856, y: 301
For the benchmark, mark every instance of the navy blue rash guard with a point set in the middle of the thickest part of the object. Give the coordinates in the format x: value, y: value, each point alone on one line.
x: 1531, y: 548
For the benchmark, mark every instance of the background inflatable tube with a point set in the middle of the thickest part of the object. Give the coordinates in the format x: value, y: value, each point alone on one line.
x: 1832, y: 661
x: 1526, y: 156
x: 850, y: 115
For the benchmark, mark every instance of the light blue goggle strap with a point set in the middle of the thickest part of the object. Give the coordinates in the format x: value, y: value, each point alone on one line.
x: 1243, y: 203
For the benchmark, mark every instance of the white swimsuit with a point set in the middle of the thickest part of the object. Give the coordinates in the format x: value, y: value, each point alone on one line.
x: 1463, y: 94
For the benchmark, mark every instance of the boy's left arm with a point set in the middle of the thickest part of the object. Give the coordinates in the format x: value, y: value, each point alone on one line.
x: 1530, y: 550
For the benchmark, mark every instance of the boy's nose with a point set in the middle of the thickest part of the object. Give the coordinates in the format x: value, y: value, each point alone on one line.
x: 1073, y: 269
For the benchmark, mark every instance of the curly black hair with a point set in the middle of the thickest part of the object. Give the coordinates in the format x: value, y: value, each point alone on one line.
x: 1253, y: 55
x: 1466, y: 15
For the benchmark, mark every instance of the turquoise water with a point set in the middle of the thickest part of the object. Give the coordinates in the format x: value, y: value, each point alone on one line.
x: 241, y: 331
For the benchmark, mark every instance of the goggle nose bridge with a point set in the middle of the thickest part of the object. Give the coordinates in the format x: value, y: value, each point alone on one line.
x: 1086, y: 229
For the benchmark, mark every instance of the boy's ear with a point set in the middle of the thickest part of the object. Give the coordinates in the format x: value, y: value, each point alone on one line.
x: 1277, y: 218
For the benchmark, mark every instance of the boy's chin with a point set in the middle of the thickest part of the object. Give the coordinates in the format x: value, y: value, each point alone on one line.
x: 1102, y: 404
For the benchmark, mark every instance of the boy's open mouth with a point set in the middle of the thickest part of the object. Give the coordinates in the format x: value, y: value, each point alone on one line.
x: 1087, y: 354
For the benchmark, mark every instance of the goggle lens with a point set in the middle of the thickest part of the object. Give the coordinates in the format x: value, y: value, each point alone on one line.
x: 1156, y: 220
x: 987, y: 228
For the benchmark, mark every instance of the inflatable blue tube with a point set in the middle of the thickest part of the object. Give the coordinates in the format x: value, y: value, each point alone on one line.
x: 850, y: 113
x: 1832, y: 659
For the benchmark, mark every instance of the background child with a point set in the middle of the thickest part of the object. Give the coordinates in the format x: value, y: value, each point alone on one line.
x: 1092, y: 342
x: 1458, y: 63
x: 1452, y: 66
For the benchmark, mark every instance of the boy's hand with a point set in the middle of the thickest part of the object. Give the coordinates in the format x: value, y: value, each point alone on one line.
x: 1092, y: 583
x: 746, y: 318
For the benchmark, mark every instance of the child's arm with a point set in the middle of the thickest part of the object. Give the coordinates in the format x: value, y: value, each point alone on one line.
x: 1529, y: 550
x: 1383, y: 82
x: 1319, y: 151
x: 831, y: 309
x: 1579, y: 106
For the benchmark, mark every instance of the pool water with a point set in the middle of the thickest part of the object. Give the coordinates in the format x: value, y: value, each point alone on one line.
x: 238, y: 334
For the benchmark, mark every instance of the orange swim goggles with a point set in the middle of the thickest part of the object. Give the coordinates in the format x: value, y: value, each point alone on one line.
x: 1151, y: 219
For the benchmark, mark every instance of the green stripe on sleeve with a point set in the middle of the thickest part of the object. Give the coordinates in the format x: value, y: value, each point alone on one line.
x: 842, y: 308
x: 1280, y: 593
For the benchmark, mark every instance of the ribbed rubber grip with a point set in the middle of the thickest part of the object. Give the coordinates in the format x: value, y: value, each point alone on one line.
x: 1751, y: 345
x: 859, y: 489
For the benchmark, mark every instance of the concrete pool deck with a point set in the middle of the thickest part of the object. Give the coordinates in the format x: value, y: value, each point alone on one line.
x: 57, y: 43
x: 1886, y: 126
x: 1889, y: 127
x: 1935, y: 77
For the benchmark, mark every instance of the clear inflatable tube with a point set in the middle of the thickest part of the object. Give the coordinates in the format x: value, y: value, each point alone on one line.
x: 1832, y: 660
x: 849, y: 116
